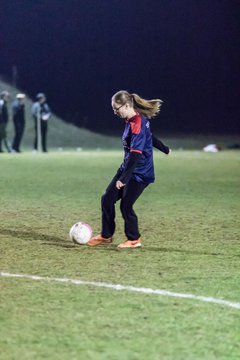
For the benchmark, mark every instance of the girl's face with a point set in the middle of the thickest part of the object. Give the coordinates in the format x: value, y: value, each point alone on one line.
x: 123, y: 111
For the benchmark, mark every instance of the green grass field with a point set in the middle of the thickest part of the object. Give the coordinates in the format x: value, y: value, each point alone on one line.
x: 189, y: 220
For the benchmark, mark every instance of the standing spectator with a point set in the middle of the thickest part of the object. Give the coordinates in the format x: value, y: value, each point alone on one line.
x: 4, y: 97
x: 18, y: 109
x: 41, y: 114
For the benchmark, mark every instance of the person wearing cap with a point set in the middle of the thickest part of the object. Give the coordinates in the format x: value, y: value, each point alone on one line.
x: 18, y: 112
x: 4, y: 97
x: 41, y: 114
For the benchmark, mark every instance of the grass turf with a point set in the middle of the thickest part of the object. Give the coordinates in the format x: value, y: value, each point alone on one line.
x: 189, y: 220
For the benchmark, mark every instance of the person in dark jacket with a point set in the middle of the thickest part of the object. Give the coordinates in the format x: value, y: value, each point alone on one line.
x: 18, y: 111
x: 136, y: 171
x: 41, y: 115
x: 4, y: 97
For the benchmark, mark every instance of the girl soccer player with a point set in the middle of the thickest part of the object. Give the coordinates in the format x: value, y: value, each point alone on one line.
x: 136, y: 171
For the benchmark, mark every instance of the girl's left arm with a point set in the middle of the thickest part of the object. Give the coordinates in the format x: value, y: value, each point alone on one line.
x: 158, y: 144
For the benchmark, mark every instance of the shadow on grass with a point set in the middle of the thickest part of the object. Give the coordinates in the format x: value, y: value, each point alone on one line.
x: 155, y: 249
x: 31, y: 236
x: 113, y: 247
x: 51, y: 240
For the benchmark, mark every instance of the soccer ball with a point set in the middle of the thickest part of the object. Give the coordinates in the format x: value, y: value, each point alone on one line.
x: 80, y: 233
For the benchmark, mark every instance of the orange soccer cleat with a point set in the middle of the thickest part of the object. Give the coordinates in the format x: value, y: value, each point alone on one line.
x: 130, y: 244
x: 99, y: 240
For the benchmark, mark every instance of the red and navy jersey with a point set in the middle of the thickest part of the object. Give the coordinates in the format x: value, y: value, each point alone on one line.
x: 137, y: 137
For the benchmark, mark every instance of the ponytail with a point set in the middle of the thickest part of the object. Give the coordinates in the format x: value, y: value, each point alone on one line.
x: 148, y: 108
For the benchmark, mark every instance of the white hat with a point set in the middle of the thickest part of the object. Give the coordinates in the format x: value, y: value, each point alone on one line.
x: 20, y: 96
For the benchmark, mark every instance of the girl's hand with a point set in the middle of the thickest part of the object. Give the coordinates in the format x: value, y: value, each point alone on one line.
x: 119, y: 185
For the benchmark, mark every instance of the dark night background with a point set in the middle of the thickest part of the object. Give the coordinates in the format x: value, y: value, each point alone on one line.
x: 80, y: 52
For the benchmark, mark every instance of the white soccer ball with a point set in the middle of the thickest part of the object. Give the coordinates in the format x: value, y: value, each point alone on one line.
x: 80, y: 233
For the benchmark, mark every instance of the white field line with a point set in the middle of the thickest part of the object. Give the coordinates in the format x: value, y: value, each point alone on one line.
x: 126, y: 288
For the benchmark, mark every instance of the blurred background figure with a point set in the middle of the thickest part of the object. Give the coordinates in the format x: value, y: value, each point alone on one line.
x: 41, y: 114
x: 4, y: 97
x: 18, y: 111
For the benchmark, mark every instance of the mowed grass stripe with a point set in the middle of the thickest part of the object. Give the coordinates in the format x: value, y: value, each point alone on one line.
x: 126, y: 288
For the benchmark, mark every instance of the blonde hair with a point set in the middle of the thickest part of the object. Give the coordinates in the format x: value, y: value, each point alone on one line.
x: 148, y: 108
